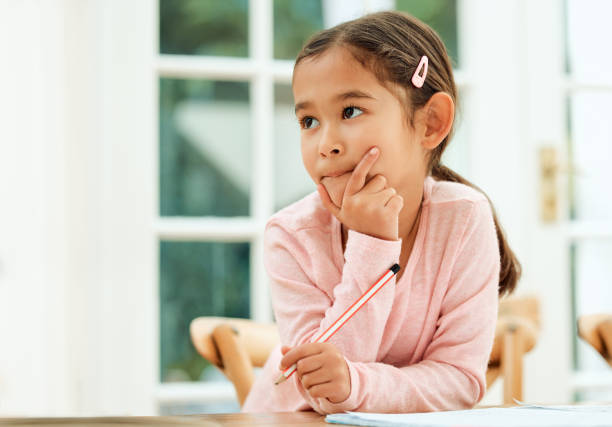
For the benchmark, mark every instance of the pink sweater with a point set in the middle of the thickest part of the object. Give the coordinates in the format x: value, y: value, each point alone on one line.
x: 421, y: 344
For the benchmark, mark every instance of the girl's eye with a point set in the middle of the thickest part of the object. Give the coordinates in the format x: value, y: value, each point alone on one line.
x: 309, y: 122
x: 351, y: 112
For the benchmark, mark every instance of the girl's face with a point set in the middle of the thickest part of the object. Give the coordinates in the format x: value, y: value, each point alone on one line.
x: 343, y: 112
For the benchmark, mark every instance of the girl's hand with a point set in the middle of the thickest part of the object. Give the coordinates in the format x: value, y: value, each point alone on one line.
x: 321, y: 368
x: 370, y: 209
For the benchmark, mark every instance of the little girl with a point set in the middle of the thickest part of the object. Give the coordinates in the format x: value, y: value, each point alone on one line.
x: 375, y: 99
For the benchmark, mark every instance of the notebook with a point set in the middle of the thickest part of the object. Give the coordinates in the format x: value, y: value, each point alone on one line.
x: 533, y: 415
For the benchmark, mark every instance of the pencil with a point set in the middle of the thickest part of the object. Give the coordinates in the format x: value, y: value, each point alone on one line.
x: 350, y: 312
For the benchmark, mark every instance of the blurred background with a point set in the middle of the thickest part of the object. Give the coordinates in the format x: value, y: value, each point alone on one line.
x: 143, y: 145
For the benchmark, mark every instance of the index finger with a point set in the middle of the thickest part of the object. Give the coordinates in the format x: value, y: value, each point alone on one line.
x: 357, y: 179
x: 299, y: 352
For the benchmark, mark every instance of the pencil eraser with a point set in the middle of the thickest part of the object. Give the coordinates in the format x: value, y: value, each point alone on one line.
x: 395, y: 268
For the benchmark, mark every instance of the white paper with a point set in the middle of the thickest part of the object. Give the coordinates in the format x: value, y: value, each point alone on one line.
x: 535, y: 416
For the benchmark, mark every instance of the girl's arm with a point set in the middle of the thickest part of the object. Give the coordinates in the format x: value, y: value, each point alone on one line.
x: 452, y: 372
x: 303, y: 309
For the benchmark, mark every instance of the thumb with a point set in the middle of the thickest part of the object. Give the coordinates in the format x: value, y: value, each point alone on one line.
x: 285, y: 349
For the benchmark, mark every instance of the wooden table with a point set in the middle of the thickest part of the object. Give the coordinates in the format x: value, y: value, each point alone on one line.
x: 309, y: 418
x: 204, y: 420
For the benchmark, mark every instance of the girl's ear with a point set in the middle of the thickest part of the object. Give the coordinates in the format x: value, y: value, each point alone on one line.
x: 436, y: 119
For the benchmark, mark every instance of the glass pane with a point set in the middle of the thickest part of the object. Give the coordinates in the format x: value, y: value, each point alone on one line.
x: 291, y: 180
x: 204, y: 150
x: 589, y: 32
x: 204, y: 27
x: 294, y: 22
x: 441, y: 15
x: 198, y: 279
x: 590, y: 153
x: 593, y: 292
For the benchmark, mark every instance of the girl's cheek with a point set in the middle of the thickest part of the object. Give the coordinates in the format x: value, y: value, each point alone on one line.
x: 308, y: 160
x: 363, y: 129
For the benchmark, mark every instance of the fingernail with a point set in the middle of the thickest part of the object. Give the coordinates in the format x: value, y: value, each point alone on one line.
x: 374, y: 151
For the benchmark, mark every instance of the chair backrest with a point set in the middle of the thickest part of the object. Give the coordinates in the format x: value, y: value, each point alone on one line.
x: 596, y: 329
x: 516, y: 333
x: 235, y: 346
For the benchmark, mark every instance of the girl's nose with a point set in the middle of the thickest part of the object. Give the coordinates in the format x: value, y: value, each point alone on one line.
x: 330, y: 146
x: 332, y: 151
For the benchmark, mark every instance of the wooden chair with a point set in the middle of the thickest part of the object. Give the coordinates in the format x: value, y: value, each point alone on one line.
x: 235, y: 346
x: 596, y: 329
x: 516, y: 333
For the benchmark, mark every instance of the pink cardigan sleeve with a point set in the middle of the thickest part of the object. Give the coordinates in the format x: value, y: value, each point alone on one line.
x: 451, y: 374
x: 302, y: 309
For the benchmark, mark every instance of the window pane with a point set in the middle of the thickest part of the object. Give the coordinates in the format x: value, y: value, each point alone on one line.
x: 294, y: 22
x: 204, y: 27
x: 198, y: 279
x: 592, y: 292
x: 441, y: 15
x: 205, y: 166
x: 589, y: 32
x: 590, y: 152
x: 291, y: 180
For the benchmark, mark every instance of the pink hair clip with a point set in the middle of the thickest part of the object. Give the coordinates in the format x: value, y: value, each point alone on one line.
x: 418, y: 80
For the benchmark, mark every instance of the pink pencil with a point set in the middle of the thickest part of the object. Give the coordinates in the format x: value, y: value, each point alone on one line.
x: 350, y: 312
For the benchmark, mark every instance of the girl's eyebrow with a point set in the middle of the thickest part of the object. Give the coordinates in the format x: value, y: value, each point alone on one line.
x: 339, y: 97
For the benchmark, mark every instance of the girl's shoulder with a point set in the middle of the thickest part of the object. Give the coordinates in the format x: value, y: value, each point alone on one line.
x: 448, y: 192
x: 454, y: 206
x: 306, y: 213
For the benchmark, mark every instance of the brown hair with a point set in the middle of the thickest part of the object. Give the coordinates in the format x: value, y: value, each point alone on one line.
x: 391, y: 45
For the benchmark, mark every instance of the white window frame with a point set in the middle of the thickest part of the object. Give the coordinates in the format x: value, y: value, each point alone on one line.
x: 261, y: 72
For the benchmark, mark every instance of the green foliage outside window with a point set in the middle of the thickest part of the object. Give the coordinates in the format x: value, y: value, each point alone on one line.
x: 294, y: 22
x: 197, y: 279
x: 204, y: 27
x: 441, y: 15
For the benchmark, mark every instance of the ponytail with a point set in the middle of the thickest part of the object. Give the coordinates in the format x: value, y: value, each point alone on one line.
x: 510, y: 270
